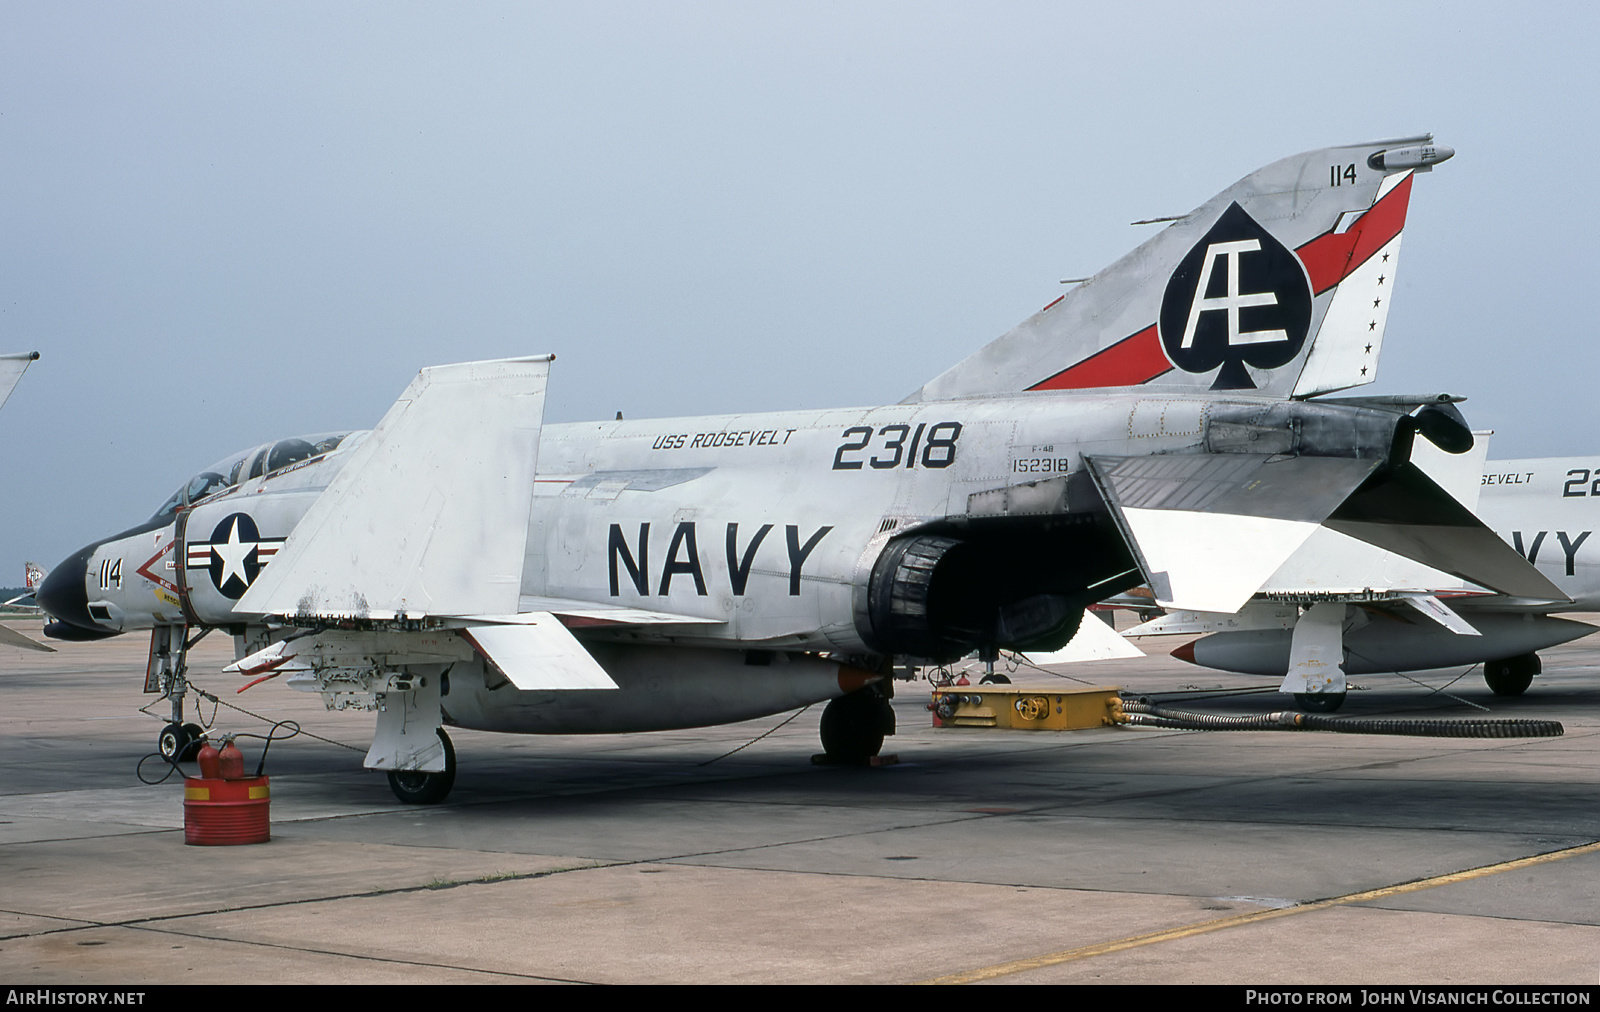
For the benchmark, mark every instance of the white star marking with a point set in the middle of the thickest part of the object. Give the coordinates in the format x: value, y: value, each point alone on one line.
x: 233, y: 554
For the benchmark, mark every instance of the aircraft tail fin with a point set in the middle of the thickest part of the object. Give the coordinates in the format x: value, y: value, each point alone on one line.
x: 11, y: 369
x: 1278, y: 284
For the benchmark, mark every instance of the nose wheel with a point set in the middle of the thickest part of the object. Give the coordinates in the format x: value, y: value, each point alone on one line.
x: 180, y: 742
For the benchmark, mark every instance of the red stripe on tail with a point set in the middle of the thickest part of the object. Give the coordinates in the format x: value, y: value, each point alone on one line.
x: 1133, y: 360
x: 1330, y: 258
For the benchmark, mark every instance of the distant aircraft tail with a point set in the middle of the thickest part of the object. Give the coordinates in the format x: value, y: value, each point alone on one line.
x: 33, y: 574
x: 1279, y: 284
x: 11, y: 369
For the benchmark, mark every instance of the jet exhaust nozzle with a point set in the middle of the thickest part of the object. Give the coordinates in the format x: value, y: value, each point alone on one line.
x: 1444, y: 426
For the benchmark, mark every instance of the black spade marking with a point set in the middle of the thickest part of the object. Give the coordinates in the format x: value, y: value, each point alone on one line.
x: 1272, y: 269
x: 250, y: 535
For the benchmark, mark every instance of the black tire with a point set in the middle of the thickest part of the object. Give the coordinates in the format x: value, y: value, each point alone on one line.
x: 995, y: 679
x: 853, y: 726
x: 415, y: 787
x: 1319, y: 702
x: 197, y: 741
x: 1513, y: 675
x: 175, y: 743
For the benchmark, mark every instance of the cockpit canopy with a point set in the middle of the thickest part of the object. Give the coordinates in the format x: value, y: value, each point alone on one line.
x: 251, y: 463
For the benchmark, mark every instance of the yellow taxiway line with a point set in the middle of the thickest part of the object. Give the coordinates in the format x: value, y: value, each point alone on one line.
x: 1221, y: 923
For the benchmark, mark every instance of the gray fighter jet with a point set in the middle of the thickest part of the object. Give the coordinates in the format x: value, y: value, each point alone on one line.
x: 1165, y: 422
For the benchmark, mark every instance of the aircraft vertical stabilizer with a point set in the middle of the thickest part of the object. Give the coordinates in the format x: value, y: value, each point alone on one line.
x: 1278, y: 285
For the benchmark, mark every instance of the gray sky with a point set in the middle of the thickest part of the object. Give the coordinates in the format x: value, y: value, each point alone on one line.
x: 228, y: 223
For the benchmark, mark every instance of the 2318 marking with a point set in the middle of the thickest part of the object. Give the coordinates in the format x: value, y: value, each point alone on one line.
x: 899, y: 444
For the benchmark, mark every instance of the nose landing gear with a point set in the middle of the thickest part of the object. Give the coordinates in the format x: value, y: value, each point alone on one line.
x: 180, y: 742
x: 167, y: 673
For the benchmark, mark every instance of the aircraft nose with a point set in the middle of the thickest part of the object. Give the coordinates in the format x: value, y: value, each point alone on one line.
x: 64, y: 595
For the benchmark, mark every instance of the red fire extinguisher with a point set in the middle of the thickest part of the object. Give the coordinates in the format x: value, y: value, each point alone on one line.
x: 207, y: 758
x: 230, y: 761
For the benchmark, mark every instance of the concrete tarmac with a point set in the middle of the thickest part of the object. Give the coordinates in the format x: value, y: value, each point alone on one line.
x: 1107, y: 855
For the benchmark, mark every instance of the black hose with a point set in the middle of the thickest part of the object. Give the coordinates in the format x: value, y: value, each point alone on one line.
x: 172, y: 767
x: 270, y: 737
x: 1148, y: 714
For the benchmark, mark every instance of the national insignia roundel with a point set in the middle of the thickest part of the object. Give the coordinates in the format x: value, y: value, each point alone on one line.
x: 1239, y: 297
x: 234, y: 555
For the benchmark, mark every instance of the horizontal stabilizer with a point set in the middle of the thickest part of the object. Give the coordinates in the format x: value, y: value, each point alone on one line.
x: 1210, y: 529
x: 430, y: 516
x: 1333, y: 563
x: 1410, y: 515
x: 537, y: 652
x: 1094, y: 641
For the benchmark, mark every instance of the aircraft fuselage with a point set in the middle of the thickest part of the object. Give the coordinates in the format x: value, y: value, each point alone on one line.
x: 764, y: 528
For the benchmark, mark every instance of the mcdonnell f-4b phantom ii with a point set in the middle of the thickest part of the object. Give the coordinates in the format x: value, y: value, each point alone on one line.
x: 1164, y: 422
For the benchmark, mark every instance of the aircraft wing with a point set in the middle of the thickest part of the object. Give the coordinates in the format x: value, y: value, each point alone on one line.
x: 11, y: 369
x: 10, y: 637
x: 1209, y: 529
x: 430, y: 516
x: 576, y: 614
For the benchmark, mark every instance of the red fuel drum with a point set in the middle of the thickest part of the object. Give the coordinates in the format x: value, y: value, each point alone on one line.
x: 221, y: 813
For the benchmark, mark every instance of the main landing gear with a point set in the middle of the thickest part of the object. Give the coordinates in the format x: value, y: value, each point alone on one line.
x: 415, y: 787
x: 1513, y: 675
x: 853, y: 726
x: 1319, y: 702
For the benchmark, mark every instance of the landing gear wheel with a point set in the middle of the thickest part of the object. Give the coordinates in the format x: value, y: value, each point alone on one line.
x: 1512, y: 676
x: 1319, y: 702
x: 994, y: 679
x: 180, y: 742
x: 415, y: 787
x: 197, y: 741
x: 853, y: 726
